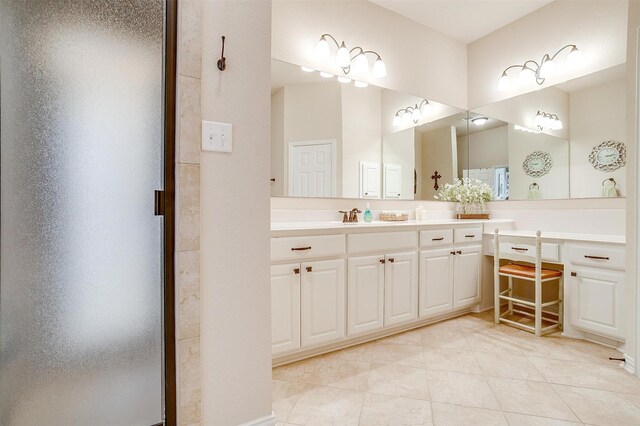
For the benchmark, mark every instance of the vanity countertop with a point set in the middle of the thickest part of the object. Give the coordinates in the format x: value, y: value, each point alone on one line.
x: 282, y: 229
x: 565, y: 236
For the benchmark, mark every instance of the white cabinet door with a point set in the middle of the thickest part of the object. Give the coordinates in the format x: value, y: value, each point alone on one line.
x: 436, y: 282
x: 596, y: 300
x: 322, y: 296
x: 365, y: 294
x: 285, y: 308
x: 400, y: 294
x: 466, y: 276
x: 392, y: 181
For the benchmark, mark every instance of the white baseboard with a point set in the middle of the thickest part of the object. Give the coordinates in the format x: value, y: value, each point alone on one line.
x: 269, y: 420
x: 629, y: 364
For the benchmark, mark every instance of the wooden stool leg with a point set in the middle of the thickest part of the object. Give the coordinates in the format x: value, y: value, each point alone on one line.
x: 496, y: 287
x: 510, y: 295
x: 561, y: 299
x: 538, y: 301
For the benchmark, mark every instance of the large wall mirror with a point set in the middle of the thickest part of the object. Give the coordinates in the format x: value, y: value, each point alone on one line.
x: 334, y: 138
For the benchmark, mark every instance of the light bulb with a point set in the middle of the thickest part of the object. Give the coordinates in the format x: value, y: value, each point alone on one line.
x: 538, y: 120
x: 326, y: 74
x: 397, y: 120
x: 526, y: 76
x: 343, y: 79
x: 559, y: 125
x: 379, y: 69
x: 415, y: 115
x: 323, y: 51
x: 575, y: 57
x: 307, y: 69
x: 479, y: 121
x: 343, y: 59
x: 556, y: 124
x: 504, y: 83
x: 361, y: 64
x: 406, y: 118
x: 547, y: 68
x: 426, y: 108
x: 361, y: 84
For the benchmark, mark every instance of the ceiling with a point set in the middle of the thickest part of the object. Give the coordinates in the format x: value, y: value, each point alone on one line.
x: 463, y: 20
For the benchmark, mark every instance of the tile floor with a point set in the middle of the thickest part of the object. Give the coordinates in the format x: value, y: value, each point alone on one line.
x: 464, y: 371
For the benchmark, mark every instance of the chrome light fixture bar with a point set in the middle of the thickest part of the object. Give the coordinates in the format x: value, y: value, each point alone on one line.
x: 547, y: 120
x: 354, y: 59
x: 412, y: 113
x: 532, y: 71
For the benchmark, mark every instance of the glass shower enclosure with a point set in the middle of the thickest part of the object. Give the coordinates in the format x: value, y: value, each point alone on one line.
x: 81, y: 251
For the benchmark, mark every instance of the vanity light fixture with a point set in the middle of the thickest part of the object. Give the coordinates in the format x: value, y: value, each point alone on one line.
x: 524, y: 129
x: 479, y: 121
x: 412, y: 113
x: 326, y: 75
x: 531, y: 71
x: 350, y: 59
x: 546, y: 120
x: 360, y: 84
x: 343, y: 79
x: 307, y: 69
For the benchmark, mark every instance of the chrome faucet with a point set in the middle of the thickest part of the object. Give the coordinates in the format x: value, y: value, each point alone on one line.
x: 350, y: 216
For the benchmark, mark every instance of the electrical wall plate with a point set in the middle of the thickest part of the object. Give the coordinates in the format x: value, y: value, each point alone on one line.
x: 216, y: 137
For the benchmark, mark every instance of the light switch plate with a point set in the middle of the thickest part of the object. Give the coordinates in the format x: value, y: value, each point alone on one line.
x: 216, y: 136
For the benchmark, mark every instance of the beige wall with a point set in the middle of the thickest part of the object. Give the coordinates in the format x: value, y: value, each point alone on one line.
x: 598, y: 114
x: 439, y: 152
x: 277, y: 143
x: 489, y: 148
x: 361, y: 137
x: 399, y: 148
x: 420, y: 61
x: 596, y: 26
x: 235, y: 291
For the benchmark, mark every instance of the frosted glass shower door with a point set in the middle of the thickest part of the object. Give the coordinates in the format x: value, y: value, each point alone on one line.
x: 81, y: 291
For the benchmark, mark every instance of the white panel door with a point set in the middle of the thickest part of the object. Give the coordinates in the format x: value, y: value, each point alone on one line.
x: 466, y: 276
x: 369, y: 179
x: 322, y: 295
x: 436, y: 282
x: 392, y: 180
x: 365, y: 294
x: 285, y: 308
x: 401, y: 288
x: 596, y: 301
x: 311, y: 169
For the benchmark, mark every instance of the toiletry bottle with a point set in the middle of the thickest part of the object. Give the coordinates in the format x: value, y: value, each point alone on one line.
x: 368, y: 217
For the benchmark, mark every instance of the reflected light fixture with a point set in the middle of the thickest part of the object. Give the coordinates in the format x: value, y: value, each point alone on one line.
x: 354, y: 59
x: 343, y: 79
x: 326, y: 74
x: 307, y: 69
x: 524, y: 129
x: 412, y: 113
x: 545, y: 120
x: 361, y: 84
x: 479, y: 121
x: 531, y: 71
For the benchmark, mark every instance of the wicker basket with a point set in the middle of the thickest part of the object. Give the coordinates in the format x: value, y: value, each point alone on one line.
x: 392, y: 217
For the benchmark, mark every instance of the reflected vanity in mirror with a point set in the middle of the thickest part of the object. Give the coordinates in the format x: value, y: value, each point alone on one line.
x: 331, y: 138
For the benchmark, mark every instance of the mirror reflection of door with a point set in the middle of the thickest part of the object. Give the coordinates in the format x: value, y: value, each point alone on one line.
x: 369, y: 179
x: 311, y: 168
x: 392, y: 180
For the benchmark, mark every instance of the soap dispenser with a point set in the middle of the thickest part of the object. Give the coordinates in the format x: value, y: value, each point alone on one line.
x: 368, y: 217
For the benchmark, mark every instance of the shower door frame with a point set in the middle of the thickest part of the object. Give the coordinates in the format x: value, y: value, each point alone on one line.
x: 170, y: 75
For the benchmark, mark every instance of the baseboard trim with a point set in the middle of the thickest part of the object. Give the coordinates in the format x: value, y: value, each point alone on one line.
x: 629, y: 364
x: 269, y: 420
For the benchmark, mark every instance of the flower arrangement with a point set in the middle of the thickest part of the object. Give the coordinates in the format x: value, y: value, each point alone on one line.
x: 470, y: 193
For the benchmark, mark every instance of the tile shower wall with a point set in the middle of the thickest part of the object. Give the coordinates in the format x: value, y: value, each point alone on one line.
x: 188, y: 212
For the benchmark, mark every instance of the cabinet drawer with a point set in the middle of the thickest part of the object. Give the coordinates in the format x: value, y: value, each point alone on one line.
x: 382, y: 241
x: 596, y: 255
x: 300, y: 248
x: 550, y: 251
x: 436, y: 237
x: 467, y: 235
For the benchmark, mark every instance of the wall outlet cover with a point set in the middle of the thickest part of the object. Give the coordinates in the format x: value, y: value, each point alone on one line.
x: 216, y: 137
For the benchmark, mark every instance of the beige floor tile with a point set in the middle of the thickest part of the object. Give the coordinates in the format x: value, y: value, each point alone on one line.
x: 384, y: 353
x: 379, y: 410
x: 460, y: 388
x: 411, y: 337
x: 460, y: 360
x: 326, y: 370
x: 445, y: 335
x: 327, y: 406
x: 515, y: 419
x: 494, y: 341
x: 527, y: 397
x: 509, y: 366
x: 473, y: 323
x: 284, y: 397
x: 455, y: 415
x: 596, y: 376
x: 398, y: 380
x: 285, y: 424
x: 598, y: 407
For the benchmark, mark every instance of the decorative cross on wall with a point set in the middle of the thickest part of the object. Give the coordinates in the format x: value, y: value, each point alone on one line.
x: 435, y: 176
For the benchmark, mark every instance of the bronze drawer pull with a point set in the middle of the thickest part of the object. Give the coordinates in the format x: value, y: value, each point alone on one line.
x: 309, y: 269
x: 470, y: 236
x: 574, y: 274
x: 458, y: 252
x: 296, y: 271
x: 519, y: 249
x: 596, y: 257
x: 382, y: 261
x: 437, y: 239
x: 391, y: 260
x: 300, y: 248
